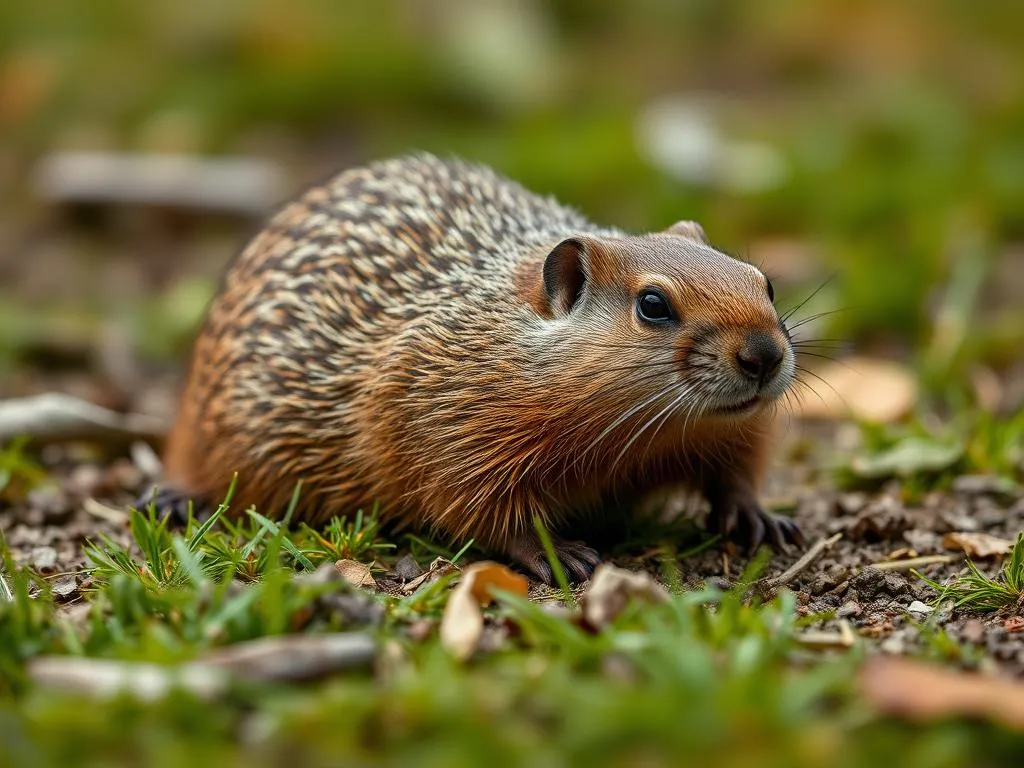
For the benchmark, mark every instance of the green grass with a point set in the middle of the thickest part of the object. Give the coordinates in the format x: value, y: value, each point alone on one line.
x: 709, y: 677
x: 19, y: 471
x: 980, y: 592
x: 927, y: 453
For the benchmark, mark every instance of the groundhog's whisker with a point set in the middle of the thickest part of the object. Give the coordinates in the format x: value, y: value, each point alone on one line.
x: 789, y: 313
x: 805, y: 353
x: 814, y: 317
x: 824, y: 343
x: 685, y: 390
x: 636, y: 408
x: 809, y: 372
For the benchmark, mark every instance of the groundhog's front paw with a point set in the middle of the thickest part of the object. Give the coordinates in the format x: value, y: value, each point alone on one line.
x: 174, y: 504
x: 577, y: 559
x: 739, y: 517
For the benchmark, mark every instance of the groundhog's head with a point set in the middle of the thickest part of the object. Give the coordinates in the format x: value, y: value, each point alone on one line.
x: 668, y: 326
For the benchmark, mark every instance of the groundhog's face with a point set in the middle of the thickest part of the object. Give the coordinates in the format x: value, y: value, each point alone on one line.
x: 691, y: 333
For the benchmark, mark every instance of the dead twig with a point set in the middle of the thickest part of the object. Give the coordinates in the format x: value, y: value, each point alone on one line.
x: 293, y: 657
x: 767, y: 587
x: 55, y: 417
x: 242, y: 185
x: 914, y: 562
x: 279, y: 658
x: 844, y: 638
x: 5, y: 589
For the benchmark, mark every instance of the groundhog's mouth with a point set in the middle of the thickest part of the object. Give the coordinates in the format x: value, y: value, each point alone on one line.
x: 743, y: 407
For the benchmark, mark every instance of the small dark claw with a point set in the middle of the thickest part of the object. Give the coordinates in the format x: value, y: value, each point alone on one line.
x: 540, y: 568
x: 723, y: 520
x: 791, y: 530
x: 775, y: 534
x: 172, y: 503
x: 577, y: 559
x: 745, y: 520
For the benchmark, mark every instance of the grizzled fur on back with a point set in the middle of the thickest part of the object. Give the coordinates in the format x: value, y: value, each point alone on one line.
x: 313, y: 308
x: 428, y: 335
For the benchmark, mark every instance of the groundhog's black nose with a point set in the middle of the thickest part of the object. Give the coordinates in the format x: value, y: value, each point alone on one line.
x: 759, y: 357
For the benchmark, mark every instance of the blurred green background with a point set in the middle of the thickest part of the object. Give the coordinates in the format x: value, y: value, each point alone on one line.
x: 879, y: 141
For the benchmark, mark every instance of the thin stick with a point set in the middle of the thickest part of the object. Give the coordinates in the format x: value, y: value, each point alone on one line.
x: 5, y: 589
x: 914, y: 562
x: 808, y: 557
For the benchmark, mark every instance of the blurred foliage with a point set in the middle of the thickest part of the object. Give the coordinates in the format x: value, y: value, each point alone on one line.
x: 895, y: 129
x: 710, y: 676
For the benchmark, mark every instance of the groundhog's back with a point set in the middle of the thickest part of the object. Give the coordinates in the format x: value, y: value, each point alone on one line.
x: 308, y: 305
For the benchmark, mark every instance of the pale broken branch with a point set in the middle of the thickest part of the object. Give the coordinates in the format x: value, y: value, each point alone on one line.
x: 768, y: 586
x: 293, y: 657
x: 288, y: 658
x: 5, y: 589
x: 915, y: 562
x: 56, y: 417
x: 242, y: 185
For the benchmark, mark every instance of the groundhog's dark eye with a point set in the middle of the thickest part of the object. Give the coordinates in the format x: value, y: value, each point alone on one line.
x: 652, y: 306
x: 771, y: 290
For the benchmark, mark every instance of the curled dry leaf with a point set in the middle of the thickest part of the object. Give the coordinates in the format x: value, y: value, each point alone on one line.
x: 355, y: 573
x: 611, y: 590
x: 1014, y: 624
x: 908, y: 457
x: 977, y: 544
x: 866, y: 388
x: 438, y: 568
x: 924, y: 692
x: 462, y: 625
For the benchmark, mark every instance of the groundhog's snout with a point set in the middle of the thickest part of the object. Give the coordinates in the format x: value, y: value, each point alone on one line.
x: 759, y: 357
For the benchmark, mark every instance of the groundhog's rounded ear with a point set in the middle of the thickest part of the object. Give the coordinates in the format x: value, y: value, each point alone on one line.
x: 689, y: 229
x: 564, y: 275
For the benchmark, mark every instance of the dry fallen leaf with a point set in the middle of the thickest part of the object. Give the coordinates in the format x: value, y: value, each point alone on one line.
x: 438, y: 568
x: 908, y: 457
x: 866, y: 388
x: 1014, y: 624
x: 462, y: 624
x: 923, y: 692
x: 977, y: 544
x: 611, y: 590
x: 355, y: 573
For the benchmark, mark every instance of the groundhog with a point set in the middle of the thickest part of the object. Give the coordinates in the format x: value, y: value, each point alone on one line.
x: 425, y: 335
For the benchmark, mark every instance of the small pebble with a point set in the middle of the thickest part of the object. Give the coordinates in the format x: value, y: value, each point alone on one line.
x: 848, y: 609
x: 43, y: 558
x: 64, y: 589
x: 918, y: 607
x: 407, y: 568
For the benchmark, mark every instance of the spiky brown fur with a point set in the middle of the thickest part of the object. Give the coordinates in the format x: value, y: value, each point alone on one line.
x: 430, y: 336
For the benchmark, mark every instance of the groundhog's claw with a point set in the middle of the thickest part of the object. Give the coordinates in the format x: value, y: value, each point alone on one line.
x: 744, y: 520
x: 577, y: 559
x: 172, y: 503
